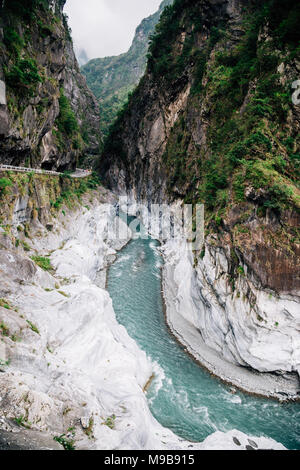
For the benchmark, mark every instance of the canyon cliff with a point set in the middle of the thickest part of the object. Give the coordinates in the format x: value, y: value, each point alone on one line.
x: 212, y: 121
x: 112, y: 78
x: 48, y: 116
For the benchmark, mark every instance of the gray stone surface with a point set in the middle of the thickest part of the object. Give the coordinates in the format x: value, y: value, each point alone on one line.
x: 27, y: 440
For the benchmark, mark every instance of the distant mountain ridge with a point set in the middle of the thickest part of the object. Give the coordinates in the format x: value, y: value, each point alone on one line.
x: 112, y: 78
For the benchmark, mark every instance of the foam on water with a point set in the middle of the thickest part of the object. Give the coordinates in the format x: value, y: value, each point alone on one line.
x: 122, y: 259
x: 232, y: 398
x: 157, y: 383
x: 153, y: 247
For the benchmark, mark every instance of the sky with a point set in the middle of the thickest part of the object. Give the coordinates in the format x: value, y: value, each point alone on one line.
x: 106, y: 27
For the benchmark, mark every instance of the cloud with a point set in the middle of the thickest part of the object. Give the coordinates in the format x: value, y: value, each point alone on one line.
x: 106, y: 27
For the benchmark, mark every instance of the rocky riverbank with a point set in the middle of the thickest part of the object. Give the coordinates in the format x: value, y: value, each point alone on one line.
x: 69, y: 370
x: 255, y: 348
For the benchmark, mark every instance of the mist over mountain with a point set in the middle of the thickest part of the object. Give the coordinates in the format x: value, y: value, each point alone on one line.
x: 81, y: 56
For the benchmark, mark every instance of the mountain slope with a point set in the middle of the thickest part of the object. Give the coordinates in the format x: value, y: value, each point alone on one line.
x: 48, y: 116
x: 112, y: 78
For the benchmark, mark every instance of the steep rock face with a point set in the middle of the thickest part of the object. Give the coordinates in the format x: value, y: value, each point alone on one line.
x: 112, y: 78
x: 213, y: 122
x: 48, y: 116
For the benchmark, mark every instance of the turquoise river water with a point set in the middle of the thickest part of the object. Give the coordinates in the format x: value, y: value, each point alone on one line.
x: 183, y: 396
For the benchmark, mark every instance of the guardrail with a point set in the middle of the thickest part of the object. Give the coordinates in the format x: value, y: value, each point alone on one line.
x: 79, y: 173
x: 29, y: 170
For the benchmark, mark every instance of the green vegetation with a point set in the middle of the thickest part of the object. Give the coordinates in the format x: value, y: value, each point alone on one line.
x: 89, y: 430
x: 75, y: 192
x: 23, y: 76
x: 68, y: 131
x: 24, y: 9
x: 42, y: 262
x: 25, y: 245
x: 241, y: 270
x: 235, y: 144
x: 4, y: 329
x: 45, y: 29
x: 110, y: 421
x: 29, y: 72
x: 23, y: 422
x: 68, y: 444
x: 20, y: 69
x: 33, y: 327
x: 66, y: 121
x: 5, y: 304
x: 13, y: 41
x: 50, y: 191
x: 3, y: 363
x: 61, y: 292
x: 94, y: 181
x: 249, y: 149
x: 4, y: 183
x: 162, y: 61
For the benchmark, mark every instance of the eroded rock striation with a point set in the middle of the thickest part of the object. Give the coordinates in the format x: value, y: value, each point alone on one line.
x: 48, y: 116
x: 68, y: 370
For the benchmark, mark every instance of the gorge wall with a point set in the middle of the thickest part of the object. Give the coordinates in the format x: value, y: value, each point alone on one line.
x: 213, y: 121
x: 48, y: 116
